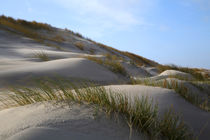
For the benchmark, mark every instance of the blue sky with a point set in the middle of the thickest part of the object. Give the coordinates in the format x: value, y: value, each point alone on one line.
x: 167, y: 31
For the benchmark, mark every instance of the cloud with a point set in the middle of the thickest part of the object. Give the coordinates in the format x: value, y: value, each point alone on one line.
x: 108, y: 14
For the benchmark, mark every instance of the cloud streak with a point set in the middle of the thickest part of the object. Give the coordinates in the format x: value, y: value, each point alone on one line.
x: 107, y: 14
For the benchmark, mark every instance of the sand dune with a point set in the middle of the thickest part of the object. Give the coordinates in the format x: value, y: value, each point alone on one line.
x: 192, y: 115
x: 19, y: 65
x: 71, y: 67
x: 45, y: 121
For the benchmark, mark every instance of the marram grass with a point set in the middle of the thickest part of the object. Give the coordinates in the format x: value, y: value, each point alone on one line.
x: 140, y: 113
x: 42, y: 56
x: 179, y: 88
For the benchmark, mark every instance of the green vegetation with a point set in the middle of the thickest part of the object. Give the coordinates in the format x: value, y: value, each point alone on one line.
x: 92, y: 51
x: 42, y: 56
x: 111, y: 62
x: 141, y: 114
x: 19, y: 26
x: 32, y: 25
x: 74, y: 33
x: 79, y: 45
x: 179, y: 88
x: 139, y: 60
x: 53, y: 45
x: 194, y: 72
x: 29, y: 29
x: 174, y: 123
x: 57, y: 38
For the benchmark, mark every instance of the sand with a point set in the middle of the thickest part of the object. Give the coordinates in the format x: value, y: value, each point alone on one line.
x: 192, y: 115
x: 47, y: 121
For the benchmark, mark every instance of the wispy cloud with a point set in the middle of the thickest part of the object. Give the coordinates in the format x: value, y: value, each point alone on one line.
x: 108, y: 14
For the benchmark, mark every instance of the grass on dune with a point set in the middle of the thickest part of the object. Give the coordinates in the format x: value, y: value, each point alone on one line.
x: 141, y: 114
x: 79, y: 45
x: 111, y: 62
x: 29, y: 29
x: 196, y: 73
x: 179, y: 88
x: 42, y: 56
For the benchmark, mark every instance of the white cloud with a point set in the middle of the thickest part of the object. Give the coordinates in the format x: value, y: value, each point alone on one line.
x: 108, y: 14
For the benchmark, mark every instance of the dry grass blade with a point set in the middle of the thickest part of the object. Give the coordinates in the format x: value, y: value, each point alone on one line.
x: 140, y: 113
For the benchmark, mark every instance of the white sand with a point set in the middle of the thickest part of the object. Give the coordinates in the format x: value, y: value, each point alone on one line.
x: 176, y: 73
x: 71, y: 67
x: 45, y: 121
x: 38, y: 121
x: 18, y: 63
x: 196, y: 118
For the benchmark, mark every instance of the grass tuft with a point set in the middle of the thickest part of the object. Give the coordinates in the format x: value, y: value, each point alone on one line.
x: 42, y: 56
x: 193, y: 71
x: 141, y: 114
x: 111, y: 62
x: 179, y: 88
x: 172, y: 126
x: 79, y: 45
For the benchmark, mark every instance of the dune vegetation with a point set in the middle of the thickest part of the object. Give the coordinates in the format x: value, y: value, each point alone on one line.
x: 193, y: 71
x: 79, y: 45
x: 111, y: 62
x: 42, y: 56
x: 141, y: 114
x: 179, y: 88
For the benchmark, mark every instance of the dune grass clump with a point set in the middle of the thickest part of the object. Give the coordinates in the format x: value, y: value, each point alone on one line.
x: 140, y: 114
x: 32, y: 25
x: 53, y: 45
x: 174, y: 123
x: 111, y: 62
x: 29, y: 29
x: 57, y: 38
x: 13, y: 24
x: 42, y: 56
x: 79, y: 45
x: 92, y: 51
x: 139, y: 60
x: 193, y: 71
x: 179, y: 88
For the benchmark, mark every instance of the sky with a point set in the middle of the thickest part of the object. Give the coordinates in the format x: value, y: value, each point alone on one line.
x: 166, y: 31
